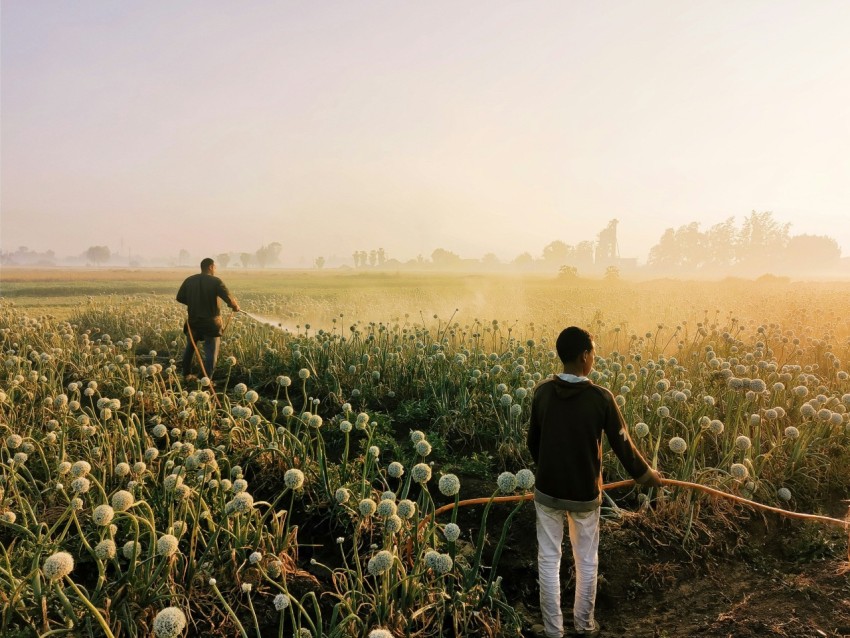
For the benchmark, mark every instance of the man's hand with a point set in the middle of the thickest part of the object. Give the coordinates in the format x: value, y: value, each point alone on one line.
x: 652, y: 479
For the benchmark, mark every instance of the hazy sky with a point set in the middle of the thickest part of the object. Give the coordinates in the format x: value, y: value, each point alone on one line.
x: 474, y: 126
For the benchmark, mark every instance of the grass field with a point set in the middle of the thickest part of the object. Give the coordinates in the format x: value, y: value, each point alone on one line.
x: 297, y: 497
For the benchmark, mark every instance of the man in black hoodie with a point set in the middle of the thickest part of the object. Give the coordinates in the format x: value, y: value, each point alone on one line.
x: 201, y: 293
x: 568, y: 416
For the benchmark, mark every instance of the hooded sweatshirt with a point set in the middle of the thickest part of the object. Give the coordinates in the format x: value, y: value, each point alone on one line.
x: 565, y: 441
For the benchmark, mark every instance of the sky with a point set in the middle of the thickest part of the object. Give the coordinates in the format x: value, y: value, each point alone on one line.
x: 474, y: 126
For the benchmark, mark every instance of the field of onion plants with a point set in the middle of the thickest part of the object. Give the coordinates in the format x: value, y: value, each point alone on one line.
x: 295, y: 495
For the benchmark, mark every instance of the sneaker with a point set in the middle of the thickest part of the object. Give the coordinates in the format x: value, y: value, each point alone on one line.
x: 537, y: 631
x: 591, y: 633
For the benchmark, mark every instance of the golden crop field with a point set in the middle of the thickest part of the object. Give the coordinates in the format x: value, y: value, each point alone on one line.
x: 298, y: 492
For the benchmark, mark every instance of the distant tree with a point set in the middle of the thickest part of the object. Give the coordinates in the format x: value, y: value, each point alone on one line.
x: 246, y: 259
x: 568, y: 273
x: 557, y: 253
x: 98, y: 254
x: 680, y: 248
x: 584, y: 254
x: 268, y: 255
x: 811, y: 252
x: 444, y: 258
x: 524, y: 260
x: 373, y: 257
x: 490, y: 260
x: 183, y: 257
x: 612, y: 273
x: 720, y: 246
x: 761, y: 239
x: 222, y: 259
x: 382, y: 257
x: 319, y: 263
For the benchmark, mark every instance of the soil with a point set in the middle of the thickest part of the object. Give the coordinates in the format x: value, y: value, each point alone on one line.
x: 735, y: 575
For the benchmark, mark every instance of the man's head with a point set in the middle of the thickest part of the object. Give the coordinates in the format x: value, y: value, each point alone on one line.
x: 575, y: 349
x: 208, y: 266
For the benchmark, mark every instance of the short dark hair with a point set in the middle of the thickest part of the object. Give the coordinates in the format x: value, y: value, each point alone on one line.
x: 572, y: 342
x: 206, y: 263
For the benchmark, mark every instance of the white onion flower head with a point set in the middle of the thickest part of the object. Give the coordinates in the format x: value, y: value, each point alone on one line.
x: 678, y: 445
x: 103, y: 515
x: 374, y: 451
x: 380, y: 633
x: 452, y: 532
x: 122, y: 469
x: 784, y: 494
x: 81, y: 485
x: 80, y: 468
x: 395, y: 469
x: 293, y: 478
x: 367, y: 507
x: 105, y: 549
x: 449, y: 484
x: 240, y: 485
x: 166, y: 545
x: 281, y: 602
x: 406, y: 508
x: 240, y: 389
x: 304, y: 373
x: 58, y: 565
x: 443, y: 564
x: 716, y: 426
x: 169, y: 623
x: 131, y: 549
x: 791, y: 432
x: 507, y: 482
x: 416, y: 436
x: 525, y: 479
x: 421, y: 473
x: 240, y: 504
x: 641, y: 430
x: 386, y: 508
x: 423, y: 448
x: 739, y: 471
x: 284, y: 381
x: 380, y: 562
x: 251, y: 396
x: 743, y: 443
x: 345, y: 427
x: 392, y: 524
x: 342, y: 495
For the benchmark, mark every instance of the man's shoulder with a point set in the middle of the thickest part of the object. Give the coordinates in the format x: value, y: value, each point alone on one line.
x: 543, y: 383
x: 602, y: 391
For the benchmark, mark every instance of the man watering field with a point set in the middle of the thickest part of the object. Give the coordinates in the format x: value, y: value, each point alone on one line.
x: 569, y: 413
x: 201, y: 294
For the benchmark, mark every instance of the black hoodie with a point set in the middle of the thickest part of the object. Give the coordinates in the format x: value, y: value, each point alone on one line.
x: 565, y: 440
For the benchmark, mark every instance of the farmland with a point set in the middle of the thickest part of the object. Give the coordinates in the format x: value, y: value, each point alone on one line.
x: 297, y: 496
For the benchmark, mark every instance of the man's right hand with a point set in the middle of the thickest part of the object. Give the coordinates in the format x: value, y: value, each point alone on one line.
x: 652, y: 479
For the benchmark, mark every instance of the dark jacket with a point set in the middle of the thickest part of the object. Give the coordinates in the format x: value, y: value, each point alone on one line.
x: 201, y: 293
x: 565, y: 441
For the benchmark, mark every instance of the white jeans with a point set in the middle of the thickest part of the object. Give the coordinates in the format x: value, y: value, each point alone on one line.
x: 584, y: 538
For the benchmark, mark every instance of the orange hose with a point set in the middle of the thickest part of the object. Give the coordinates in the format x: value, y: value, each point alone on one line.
x: 630, y: 482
